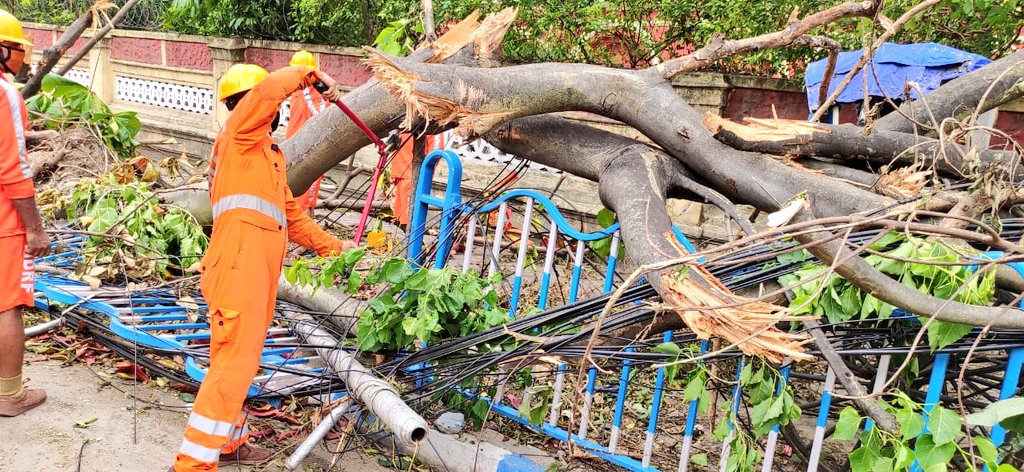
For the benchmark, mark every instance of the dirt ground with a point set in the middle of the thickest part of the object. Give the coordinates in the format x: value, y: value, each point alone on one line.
x: 47, y: 439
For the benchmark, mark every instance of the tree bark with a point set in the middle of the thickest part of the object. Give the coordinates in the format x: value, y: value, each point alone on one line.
x: 330, y: 137
x: 482, y: 99
x: 53, y: 54
x: 849, y: 142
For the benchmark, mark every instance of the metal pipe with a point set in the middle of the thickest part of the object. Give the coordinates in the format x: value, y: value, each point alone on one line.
x: 317, y: 435
x: 43, y: 328
x: 377, y: 395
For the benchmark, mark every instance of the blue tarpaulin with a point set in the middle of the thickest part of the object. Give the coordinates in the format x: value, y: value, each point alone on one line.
x: 893, y: 65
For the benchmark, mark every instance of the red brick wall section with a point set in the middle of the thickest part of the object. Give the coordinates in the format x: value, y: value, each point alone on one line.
x: 189, y: 55
x: 1012, y: 123
x: 146, y: 51
x: 269, y: 59
x: 347, y: 70
x: 77, y: 46
x: 41, y: 39
x: 744, y: 102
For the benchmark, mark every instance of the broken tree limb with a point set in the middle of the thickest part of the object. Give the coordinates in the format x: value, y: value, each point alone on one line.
x: 849, y: 142
x: 719, y: 48
x: 52, y: 55
x: 999, y: 82
x: 330, y: 137
x: 97, y: 36
x: 372, y: 392
x: 484, y: 98
x: 331, y: 304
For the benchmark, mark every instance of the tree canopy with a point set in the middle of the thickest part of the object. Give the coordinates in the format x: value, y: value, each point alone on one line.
x: 624, y: 33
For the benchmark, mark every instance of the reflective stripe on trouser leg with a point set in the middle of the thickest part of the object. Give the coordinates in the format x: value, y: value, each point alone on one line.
x: 248, y: 286
x: 238, y: 436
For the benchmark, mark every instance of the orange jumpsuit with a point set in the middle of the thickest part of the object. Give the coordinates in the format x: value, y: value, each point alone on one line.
x: 305, y: 104
x: 254, y: 214
x: 401, y: 173
x: 17, y: 269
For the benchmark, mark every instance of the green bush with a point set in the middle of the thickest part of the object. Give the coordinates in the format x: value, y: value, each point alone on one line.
x: 635, y: 33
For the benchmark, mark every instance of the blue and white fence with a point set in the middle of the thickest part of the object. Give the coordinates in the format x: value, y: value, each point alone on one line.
x: 641, y: 433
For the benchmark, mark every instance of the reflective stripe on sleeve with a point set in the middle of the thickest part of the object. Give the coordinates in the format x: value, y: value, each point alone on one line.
x: 249, y: 202
x: 208, y: 426
x: 19, y: 127
x: 199, y: 453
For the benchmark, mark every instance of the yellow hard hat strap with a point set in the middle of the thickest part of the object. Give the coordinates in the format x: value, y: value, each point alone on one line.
x: 6, y: 54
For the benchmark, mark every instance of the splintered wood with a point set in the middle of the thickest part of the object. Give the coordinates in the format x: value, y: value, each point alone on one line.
x: 486, y: 36
x: 757, y: 129
x: 751, y: 324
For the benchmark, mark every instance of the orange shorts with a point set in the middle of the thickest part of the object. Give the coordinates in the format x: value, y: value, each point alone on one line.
x: 17, y: 273
x: 308, y: 199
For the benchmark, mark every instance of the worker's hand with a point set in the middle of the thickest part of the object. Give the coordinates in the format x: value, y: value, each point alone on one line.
x: 332, y: 93
x: 346, y: 245
x: 37, y: 242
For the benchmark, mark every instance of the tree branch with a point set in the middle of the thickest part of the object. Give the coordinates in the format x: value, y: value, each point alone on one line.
x: 96, y: 37
x: 719, y: 48
x: 53, y: 54
x: 849, y: 142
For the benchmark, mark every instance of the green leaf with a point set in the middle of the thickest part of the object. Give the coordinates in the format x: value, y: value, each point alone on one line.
x: 929, y: 454
x: 944, y: 425
x: 987, y: 451
x: 944, y: 333
x: 848, y: 425
x: 863, y: 459
x: 911, y: 424
x: 997, y: 412
x: 700, y: 459
x: 883, y: 464
x: 1007, y: 468
x: 722, y: 430
x: 605, y: 217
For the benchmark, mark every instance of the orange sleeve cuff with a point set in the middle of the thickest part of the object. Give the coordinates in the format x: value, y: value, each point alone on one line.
x: 19, y: 190
x: 331, y: 248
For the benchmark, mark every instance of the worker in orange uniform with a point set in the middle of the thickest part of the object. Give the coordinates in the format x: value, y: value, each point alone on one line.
x: 401, y: 172
x: 254, y: 216
x: 305, y: 104
x: 22, y: 237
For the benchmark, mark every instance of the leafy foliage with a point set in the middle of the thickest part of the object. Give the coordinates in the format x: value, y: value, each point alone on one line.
x: 644, y: 32
x: 933, y: 449
x: 840, y: 300
x: 425, y: 305
x: 157, y: 237
x: 63, y: 102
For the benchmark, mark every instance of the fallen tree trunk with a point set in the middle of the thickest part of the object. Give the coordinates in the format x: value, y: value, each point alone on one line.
x: 853, y: 143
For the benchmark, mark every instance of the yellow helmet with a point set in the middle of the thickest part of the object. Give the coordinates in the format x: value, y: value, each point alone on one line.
x: 10, y: 30
x: 303, y: 58
x: 240, y: 78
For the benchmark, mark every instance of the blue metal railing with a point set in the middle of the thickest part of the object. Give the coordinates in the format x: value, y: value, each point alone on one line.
x: 456, y: 216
